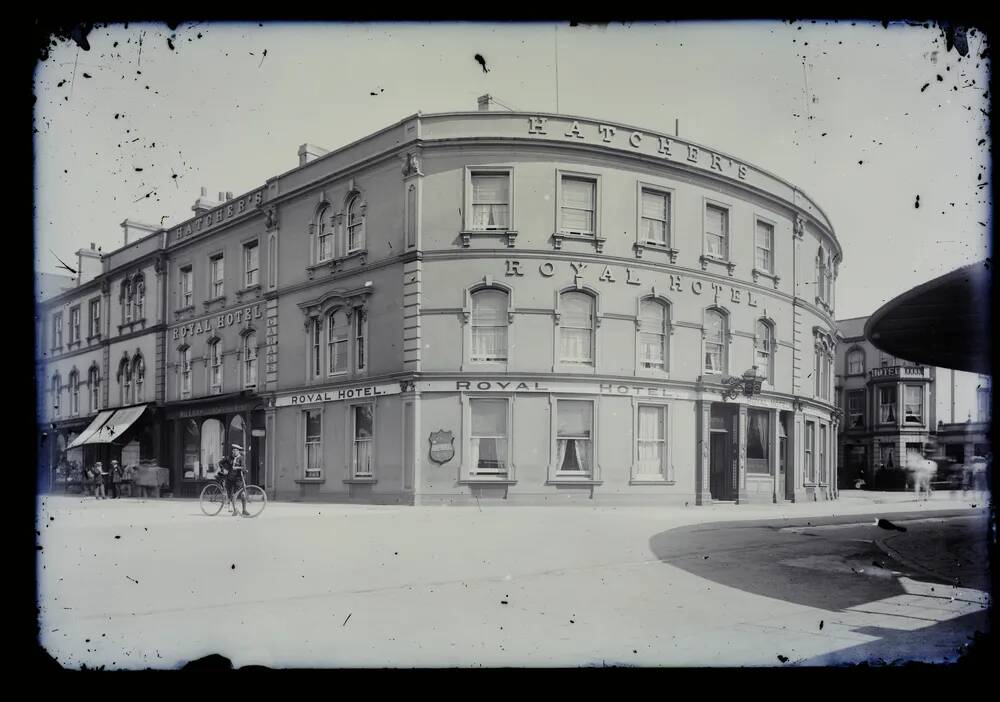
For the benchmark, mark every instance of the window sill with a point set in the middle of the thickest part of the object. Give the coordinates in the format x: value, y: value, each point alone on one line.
x: 141, y: 322
x: 758, y: 273
x: 183, y: 310
x: 485, y: 480
x: 640, y: 246
x: 72, y: 345
x: 309, y: 481
x: 468, y: 234
x: 651, y: 481
x: 360, y: 481
x: 255, y: 288
x: 566, y: 480
x: 705, y: 260
x: 93, y: 337
x: 558, y: 237
x: 220, y: 299
x: 56, y: 349
x: 335, y: 265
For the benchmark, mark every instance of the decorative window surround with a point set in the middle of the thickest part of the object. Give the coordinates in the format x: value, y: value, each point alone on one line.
x: 558, y: 237
x: 468, y: 234
x: 757, y: 273
x: 705, y: 260
x: 645, y: 481
x: 640, y: 246
x: 255, y: 288
x: 573, y: 481
x: 221, y: 300
x: 183, y: 310
x: 310, y: 481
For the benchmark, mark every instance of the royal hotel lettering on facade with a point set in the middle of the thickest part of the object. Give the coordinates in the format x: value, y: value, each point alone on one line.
x: 675, y: 283
x: 222, y: 321
x: 655, y: 145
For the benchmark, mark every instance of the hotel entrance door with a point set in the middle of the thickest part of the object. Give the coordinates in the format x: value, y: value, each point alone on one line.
x: 720, y: 482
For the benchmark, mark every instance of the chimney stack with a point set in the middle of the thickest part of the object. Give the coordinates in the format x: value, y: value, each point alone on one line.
x: 203, y: 204
x: 88, y: 265
x: 310, y: 152
x: 484, y: 102
x: 135, y: 230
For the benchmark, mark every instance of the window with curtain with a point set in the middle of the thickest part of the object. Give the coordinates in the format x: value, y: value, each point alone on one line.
x: 94, y: 377
x: 126, y: 300
x: 139, y: 378
x: 250, y: 360
x: 758, y: 442
x: 313, y: 443
x: 886, y: 456
x: 913, y: 404
x: 653, y: 334
x: 856, y: 362
x: 215, y: 361
x: 489, y: 325
x: 579, y: 205
x: 887, y: 404
x: 187, y: 283
x: 763, y: 350
x: 192, y: 450
x: 216, y: 270
x: 364, y: 437
x: 251, y: 264
x: 655, y: 217
x: 576, y: 328
x: 337, y: 330
x: 488, y: 439
x: 57, y: 330
x: 574, y: 442
x: 211, y: 448
x: 490, y: 201
x: 810, y: 443
x: 715, y: 339
x: 74, y: 394
x: 324, y: 236
x: 716, y: 232
x: 651, y: 441
x: 186, y: 372
x: 355, y: 226
x: 360, y: 336
x: 56, y: 385
x: 764, y: 247
x: 856, y: 409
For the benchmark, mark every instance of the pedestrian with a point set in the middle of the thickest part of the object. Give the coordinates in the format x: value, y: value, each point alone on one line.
x: 128, y: 475
x: 99, y: 476
x: 116, y: 479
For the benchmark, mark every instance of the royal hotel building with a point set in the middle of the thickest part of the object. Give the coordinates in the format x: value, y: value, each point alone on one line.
x: 522, y: 308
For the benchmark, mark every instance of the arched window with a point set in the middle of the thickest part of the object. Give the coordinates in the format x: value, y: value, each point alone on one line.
x: 124, y: 382
x: 489, y: 325
x: 250, y: 360
x: 324, y: 235
x: 821, y: 277
x: 337, y: 335
x: 56, y: 388
x: 654, y: 318
x: 576, y: 328
x: 215, y: 367
x: 855, y: 362
x: 126, y: 300
x: 138, y: 377
x: 764, y: 350
x: 355, y: 225
x: 94, y: 380
x: 185, y: 371
x: 211, y: 447
x: 139, y: 297
x: 715, y: 342
x: 74, y: 393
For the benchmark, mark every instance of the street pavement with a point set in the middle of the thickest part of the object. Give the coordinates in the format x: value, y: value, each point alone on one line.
x: 154, y: 583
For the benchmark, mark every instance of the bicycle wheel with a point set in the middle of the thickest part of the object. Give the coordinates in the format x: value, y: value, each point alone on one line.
x: 256, y: 500
x: 213, y: 499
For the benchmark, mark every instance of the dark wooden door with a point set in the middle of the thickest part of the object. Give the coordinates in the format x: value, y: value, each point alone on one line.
x: 719, y: 461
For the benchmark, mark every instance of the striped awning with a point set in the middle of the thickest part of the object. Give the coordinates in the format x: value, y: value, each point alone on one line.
x: 91, y: 429
x: 116, y: 427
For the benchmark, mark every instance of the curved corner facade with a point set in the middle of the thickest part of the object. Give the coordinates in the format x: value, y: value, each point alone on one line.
x: 525, y: 308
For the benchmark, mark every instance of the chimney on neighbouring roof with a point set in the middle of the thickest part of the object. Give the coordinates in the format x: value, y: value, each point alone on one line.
x: 88, y: 265
x: 484, y: 102
x: 310, y: 152
x: 203, y: 204
x: 136, y: 230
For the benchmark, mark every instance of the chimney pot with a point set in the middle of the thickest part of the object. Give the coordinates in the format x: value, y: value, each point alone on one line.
x: 229, y: 195
x: 204, y: 191
x: 91, y: 246
x: 484, y: 102
x: 222, y: 196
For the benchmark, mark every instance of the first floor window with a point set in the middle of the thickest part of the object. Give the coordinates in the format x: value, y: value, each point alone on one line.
x: 364, y: 436
x: 655, y: 217
x: 489, y: 325
x: 653, y: 320
x: 315, y: 333
x: 574, y: 436
x: 57, y: 330
x: 577, y: 328
x: 360, y: 335
x: 74, y: 393
x: 324, y: 236
x: 489, y: 436
x: 251, y: 263
x: 490, y: 201
x: 336, y: 342
x: 55, y: 395
x: 95, y: 389
x: 763, y: 347
x: 74, y: 324
x: 715, y: 334
x: 314, y: 436
x: 856, y: 409
x: 913, y: 405
x: 651, y: 440
x: 856, y: 362
x: 139, y: 377
x: 186, y: 372
x: 810, y: 468
x: 215, y: 359
x: 250, y: 360
x: 758, y: 442
x: 887, y: 405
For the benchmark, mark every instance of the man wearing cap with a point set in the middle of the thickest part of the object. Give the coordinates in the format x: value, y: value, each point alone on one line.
x: 235, y: 479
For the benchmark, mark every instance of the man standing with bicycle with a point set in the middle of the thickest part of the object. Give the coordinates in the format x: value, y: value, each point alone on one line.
x: 232, y: 473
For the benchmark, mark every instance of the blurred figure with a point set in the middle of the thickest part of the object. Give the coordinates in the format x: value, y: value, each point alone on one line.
x: 975, y: 476
x: 922, y: 471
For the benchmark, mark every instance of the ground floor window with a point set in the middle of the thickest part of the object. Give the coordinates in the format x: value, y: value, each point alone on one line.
x: 758, y: 442
x: 313, y: 443
x: 488, y: 443
x: 885, y: 456
x: 822, y: 453
x: 364, y: 438
x: 651, y: 441
x: 810, y: 443
x: 574, y: 442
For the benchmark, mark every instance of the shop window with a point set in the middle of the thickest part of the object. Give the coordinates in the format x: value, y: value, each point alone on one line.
x: 913, y: 404
x: 654, y: 221
x: 759, y: 442
x: 191, y: 449
x: 216, y: 273
x: 488, y: 441
x: 338, y: 329
x: 715, y: 342
x: 212, y: 448
x: 313, y: 423
x: 489, y: 325
x: 574, y: 437
x: 364, y: 439
x: 887, y: 404
x: 764, y: 350
x: 355, y: 225
x: 576, y: 328
x: 250, y: 360
x: 251, y: 264
x: 651, y: 441
x: 764, y: 247
x: 716, y: 232
x: 856, y: 409
x: 490, y: 200
x: 578, y: 208
x: 654, y: 333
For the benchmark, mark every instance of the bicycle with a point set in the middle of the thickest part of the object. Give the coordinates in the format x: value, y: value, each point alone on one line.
x: 214, y: 497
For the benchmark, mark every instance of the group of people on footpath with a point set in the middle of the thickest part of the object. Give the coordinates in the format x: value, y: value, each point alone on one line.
x: 111, y: 483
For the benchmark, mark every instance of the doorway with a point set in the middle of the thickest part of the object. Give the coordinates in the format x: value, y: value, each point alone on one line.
x: 719, y: 462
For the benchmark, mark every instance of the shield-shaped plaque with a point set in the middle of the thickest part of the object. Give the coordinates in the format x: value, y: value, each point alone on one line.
x: 442, y: 446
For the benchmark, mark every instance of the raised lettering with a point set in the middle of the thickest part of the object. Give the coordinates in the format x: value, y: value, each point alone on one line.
x: 229, y: 319
x: 514, y: 268
x: 634, y: 139
x: 735, y: 297
x: 623, y: 389
x: 197, y: 328
x: 547, y: 269
x: 462, y: 384
x: 629, y: 279
x: 187, y: 230
x: 606, y: 387
x: 229, y: 211
x: 665, y: 144
x: 257, y: 313
x: 177, y: 333
x: 482, y: 385
x: 539, y: 387
x: 522, y: 386
x: 696, y: 287
x: 717, y: 162
x: 692, y: 154
x: 577, y: 266
x: 218, y: 215
x: 675, y: 282
x: 717, y: 288
x: 241, y: 205
x: 742, y: 171
x: 574, y: 130
x: 536, y: 125
x: 258, y: 196
x: 239, y: 314
x: 751, y: 300
x: 607, y: 131
x: 295, y: 399
x: 606, y: 275
x: 503, y: 386
x: 221, y: 322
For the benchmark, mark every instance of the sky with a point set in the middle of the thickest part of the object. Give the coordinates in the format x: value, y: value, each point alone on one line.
x: 864, y: 118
